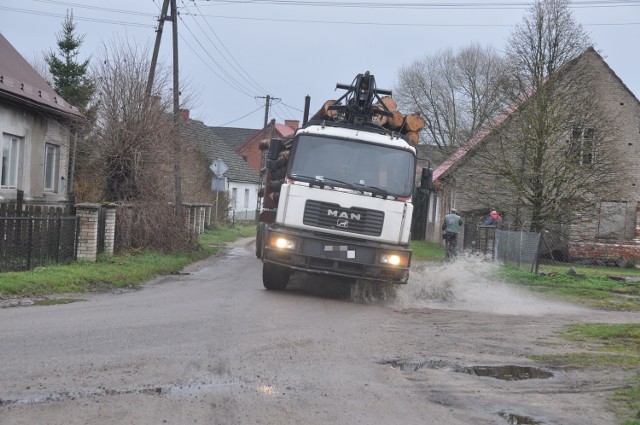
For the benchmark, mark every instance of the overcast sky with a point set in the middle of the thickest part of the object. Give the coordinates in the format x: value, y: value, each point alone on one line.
x: 235, y: 52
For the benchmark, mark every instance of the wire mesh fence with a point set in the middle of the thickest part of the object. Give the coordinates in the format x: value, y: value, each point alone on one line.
x: 28, y: 242
x: 517, y: 248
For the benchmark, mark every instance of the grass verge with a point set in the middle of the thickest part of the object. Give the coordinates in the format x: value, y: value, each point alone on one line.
x: 606, y: 346
x: 119, y: 271
x: 591, y: 286
x: 427, y: 251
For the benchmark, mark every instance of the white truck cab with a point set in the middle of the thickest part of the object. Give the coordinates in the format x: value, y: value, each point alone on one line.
x: 338, y: 202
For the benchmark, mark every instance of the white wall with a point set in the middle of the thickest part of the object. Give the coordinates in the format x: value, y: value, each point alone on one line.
x: 34, y: 130
x: 237, y: 208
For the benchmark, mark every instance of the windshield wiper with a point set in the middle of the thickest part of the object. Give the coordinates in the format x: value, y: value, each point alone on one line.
x: 311, y: 180
x: 375, y: 190
x: 351, y: 186
x: 359, y: 187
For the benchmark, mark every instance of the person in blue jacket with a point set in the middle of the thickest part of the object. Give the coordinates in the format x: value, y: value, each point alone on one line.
x: 494, y: 219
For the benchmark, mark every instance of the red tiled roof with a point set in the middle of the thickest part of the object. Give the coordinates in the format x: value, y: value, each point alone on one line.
x: 18, y: 80
x: 475, y: 141
x: 281, y: 130
x: 284, y: 130
x: 496, y: 122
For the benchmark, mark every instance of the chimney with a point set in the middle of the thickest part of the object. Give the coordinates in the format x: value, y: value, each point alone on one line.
x: 184, y: 113
x: 293, y: 124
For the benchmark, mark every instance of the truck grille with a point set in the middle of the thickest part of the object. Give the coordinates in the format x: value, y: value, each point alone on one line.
x: 353, y: 220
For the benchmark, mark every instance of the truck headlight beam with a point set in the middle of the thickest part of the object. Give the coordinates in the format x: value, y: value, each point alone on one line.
x: 281, y: 242
x: 394, y: 259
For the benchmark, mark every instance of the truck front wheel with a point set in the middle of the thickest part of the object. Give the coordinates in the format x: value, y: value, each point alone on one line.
x: 261, y: 238
x: 275, y: 276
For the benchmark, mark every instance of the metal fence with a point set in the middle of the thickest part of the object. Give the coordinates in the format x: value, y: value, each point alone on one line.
x: 28, y: 242
x: 242, y: 215
x: 517, y: 248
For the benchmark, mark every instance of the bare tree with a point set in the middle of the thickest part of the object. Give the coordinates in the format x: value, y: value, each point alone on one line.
x: 132, y: 148
x: 131, y: 137
x: 552, y: 157
x: 457, y: 92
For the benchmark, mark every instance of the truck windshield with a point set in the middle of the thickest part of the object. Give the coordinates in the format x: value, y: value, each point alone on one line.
x: 366, y: 167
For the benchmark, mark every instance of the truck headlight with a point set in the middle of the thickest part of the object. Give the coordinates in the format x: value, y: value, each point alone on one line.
x: 282, y: 242
x: 394, y: 259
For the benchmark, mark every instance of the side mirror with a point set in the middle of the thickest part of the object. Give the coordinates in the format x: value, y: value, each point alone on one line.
x: 426, y: 178
x: 275, y: 147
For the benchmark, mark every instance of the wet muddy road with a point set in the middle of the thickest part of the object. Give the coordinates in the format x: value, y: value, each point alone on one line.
x: 213, y: 347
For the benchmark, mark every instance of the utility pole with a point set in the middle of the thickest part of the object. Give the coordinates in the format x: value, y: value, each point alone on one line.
x: 268, y: 100
x: 156, y: 49
x: 173, y: 17
x: 176, y: 109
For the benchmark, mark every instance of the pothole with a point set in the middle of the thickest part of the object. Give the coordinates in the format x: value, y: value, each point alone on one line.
x: 504, y: 372
x: 511, y: 372
x: 513, y: 419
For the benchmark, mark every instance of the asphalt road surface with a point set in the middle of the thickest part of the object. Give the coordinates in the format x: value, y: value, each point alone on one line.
x: 212, y: 346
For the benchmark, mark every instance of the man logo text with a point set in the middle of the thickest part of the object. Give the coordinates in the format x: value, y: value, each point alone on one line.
x: 343, y: 214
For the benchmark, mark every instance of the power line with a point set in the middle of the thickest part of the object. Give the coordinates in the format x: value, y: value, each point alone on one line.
x: 100, y: 8
x: 291, y: 107
x: 238, y: 88
x: 382, y: 24
x: 257, y: 85
x: 244, y: 116
x: 297, y: 21
x: 423, y: 5
x: 76, y: 17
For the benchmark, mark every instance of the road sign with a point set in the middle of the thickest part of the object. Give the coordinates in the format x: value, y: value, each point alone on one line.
x: 219, y: 167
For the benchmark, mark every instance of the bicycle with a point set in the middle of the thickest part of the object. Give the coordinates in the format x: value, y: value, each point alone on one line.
x: 450, y: 242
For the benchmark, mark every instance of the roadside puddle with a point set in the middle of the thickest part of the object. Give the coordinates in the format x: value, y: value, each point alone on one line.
x: 504, y: 373
x: 513, y: 419
x: 176, y: 390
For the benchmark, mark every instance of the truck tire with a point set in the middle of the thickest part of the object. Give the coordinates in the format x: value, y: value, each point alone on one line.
x: 259, y: 241
x: 275, y: 277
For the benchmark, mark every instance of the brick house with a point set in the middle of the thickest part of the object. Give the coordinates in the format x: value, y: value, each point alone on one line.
x: 250, y: 149
x: 38, y: 130
x: 614, y: 231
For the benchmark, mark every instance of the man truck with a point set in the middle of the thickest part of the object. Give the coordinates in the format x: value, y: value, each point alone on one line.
x: 337, y: 194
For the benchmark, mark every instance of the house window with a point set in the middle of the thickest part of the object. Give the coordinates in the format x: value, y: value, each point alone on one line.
x: 246, y: 198
x: 581, y: 147
x: 51, y: 160
x: 612, y: 220
x: 10, y: 162
x: 234, y: 197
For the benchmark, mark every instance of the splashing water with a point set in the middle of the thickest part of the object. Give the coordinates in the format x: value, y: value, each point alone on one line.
x: 465, y: 284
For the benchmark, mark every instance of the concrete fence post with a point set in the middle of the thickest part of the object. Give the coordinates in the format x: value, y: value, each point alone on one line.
x: 207, y: 215
x: 200, y: 219
x: 636, y: 239
x: 186, y: 210
x: 110, y: 228
x: 88, y: 238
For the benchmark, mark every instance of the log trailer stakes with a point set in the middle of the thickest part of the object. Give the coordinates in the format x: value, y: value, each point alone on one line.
x: 337, y: 195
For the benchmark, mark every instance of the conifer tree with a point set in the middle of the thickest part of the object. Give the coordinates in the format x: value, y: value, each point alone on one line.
x: 70, y: 76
